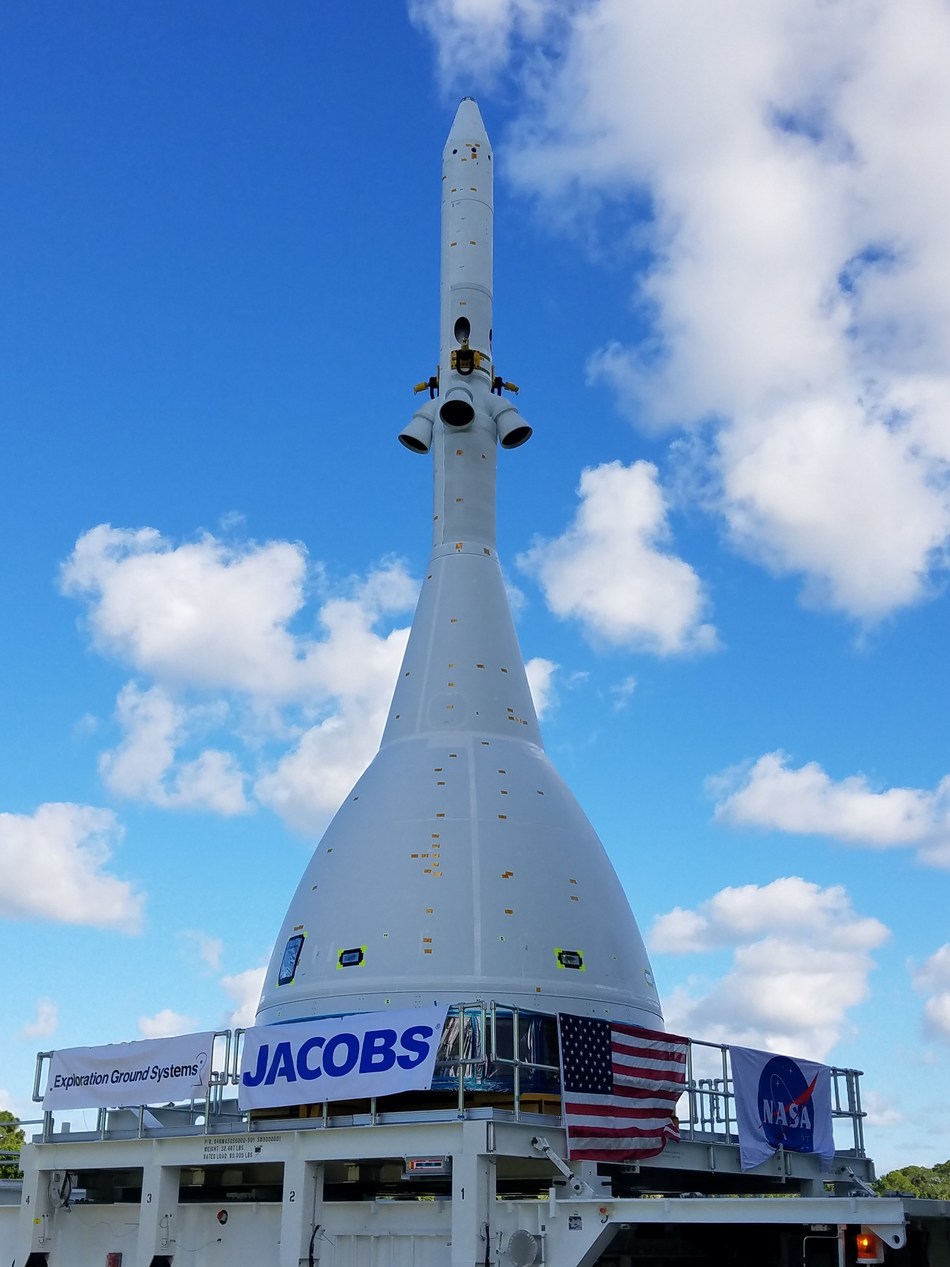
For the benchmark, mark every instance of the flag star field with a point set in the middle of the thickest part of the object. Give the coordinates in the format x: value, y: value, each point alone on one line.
x: 585, y: 1055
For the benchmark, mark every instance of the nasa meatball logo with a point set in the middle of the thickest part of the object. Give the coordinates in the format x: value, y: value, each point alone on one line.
x: 787, y: 1109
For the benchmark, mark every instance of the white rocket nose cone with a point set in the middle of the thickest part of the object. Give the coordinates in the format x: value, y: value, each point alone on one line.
x: 467, y: 127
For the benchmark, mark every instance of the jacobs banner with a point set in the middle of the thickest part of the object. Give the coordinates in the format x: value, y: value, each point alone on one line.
x: 151, y: 1071
x: 370, y: 1054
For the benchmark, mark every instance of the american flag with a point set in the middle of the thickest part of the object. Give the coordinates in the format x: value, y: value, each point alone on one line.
x: 619, y: 1087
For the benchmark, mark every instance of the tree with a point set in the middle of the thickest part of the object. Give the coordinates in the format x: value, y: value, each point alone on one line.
x: 921, y: 1181
x: 11, y: 1141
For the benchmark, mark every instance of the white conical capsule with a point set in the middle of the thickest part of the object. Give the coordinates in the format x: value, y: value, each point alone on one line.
x: 461, y: 866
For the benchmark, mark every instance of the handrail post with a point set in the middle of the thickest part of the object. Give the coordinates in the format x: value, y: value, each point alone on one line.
x: 41, y: 1056
x: 461, y: 1054
x: 727, y: 1107
x: 516, y: 1058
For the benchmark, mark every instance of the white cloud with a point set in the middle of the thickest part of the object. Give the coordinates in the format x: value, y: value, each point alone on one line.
x: 880, y: 1112
x: 783, y: 164
x: 54, y: 863
x: 622, y: 693
x: 772, y: 795
x: 244, y: 989
x: 516, y: 597
x: 166, y: 1024
x: 308, y: 785
x: 201, y: 946
x: 211, y: 781
x: 541, y: 682
x: 934, y: 978
x: 826, y: 489
x: 935, y: 971
x: 801, y: 957
x: 88, y: 724
x: 744, y: 913
x: 23, y: 1109
x: 475, y: 38
x: 204, y: 613
x: 609, y: 571
x: 352, y: 661
x: 937, y: 1015
x: 213, y: 625
x: 216, y: 615
x: 144, y: 765
x: 44, y: 1023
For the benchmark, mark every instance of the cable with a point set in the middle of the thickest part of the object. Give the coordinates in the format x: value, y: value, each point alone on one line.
x: 313, y: 1237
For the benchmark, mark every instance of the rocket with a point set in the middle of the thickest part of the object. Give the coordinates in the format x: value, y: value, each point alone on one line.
x: 461, y: 867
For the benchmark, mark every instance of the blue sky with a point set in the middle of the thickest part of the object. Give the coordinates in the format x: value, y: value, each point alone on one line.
x: 722, y: 268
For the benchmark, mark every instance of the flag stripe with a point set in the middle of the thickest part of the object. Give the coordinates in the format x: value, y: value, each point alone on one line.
x: 619, y: 1086
x: 617, y: 1133
x: 595, y: 1109
x: 627, y: 1097
x: 656, y: 1051
x: 602, y: 1125
x: 643, y: 1072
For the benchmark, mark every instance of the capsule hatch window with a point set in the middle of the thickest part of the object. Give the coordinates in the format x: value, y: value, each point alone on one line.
x: 288, y: 964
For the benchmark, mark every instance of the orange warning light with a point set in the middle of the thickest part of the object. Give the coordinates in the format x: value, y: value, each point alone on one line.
x: 870, y: 1247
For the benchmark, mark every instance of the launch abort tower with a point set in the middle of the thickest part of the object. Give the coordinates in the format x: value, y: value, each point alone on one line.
x: 461, y: 866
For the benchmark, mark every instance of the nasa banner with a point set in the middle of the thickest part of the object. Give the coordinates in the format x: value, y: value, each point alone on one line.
x: 151, y: 1071
x: 781, y: 1101
x: 370, y: 1054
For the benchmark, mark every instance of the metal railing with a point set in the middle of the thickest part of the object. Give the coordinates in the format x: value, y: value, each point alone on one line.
x: 133, y: 1119
x: 491, y: 1058
x: 707, y: 1109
